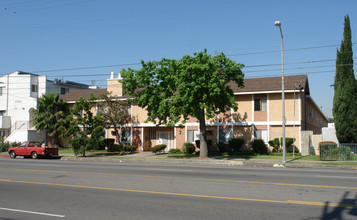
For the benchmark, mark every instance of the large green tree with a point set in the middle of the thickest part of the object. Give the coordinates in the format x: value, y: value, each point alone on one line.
x: 85, y: 129
x: 50, y: 116
x: 172, y: 90
x: 114, y: 112
x: 345, y: 97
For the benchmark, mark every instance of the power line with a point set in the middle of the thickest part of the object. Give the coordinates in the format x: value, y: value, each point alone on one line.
x: 278, y: 51
x: 84, y: 68
x: 251, y: 66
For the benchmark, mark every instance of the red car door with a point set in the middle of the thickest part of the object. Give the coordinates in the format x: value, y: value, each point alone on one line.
x: 21, y: 149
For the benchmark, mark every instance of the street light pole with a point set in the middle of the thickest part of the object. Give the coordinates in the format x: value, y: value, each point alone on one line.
x: 283, y: 121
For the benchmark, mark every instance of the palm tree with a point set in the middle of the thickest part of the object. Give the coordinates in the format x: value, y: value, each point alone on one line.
x: 50, y: 116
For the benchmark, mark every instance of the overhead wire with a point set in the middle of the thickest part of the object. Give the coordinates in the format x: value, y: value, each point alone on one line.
x: 249, y: 66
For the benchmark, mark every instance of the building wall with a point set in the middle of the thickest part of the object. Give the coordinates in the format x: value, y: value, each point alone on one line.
x: 244, y: 112
x: 275, y: 106
x: 276, y: 132
x: 20, y: 101
x: 242, y: 122
x: 139, y: 114
x: 244, y: 132
x: 315, y: 120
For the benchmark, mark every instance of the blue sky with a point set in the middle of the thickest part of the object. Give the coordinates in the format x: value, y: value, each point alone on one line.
x: 51, y: 36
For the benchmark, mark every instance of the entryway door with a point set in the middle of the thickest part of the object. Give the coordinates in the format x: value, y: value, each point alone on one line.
x: 165, y: 137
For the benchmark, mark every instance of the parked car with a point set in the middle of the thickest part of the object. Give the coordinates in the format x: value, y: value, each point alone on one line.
x: 33, y: 149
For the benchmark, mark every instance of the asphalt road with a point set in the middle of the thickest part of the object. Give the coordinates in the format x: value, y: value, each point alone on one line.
x: 53, y: 189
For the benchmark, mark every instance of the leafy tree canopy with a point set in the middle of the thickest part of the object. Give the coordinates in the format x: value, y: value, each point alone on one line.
x: 114, y: 112
x: 172, y: 90
x: 85, y: 129
x: 345, y: 98
x: 50, y: 115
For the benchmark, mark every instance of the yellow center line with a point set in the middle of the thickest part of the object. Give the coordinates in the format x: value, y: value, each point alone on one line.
x: 187, y: 195
x: 197, y: 179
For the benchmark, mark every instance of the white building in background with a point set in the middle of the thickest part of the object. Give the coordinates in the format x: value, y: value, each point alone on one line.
x: 329, y: 133
x: 19, y: 92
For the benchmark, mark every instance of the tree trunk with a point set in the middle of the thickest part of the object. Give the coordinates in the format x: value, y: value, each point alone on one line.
x: 117, y: 135
x: 203, y: 135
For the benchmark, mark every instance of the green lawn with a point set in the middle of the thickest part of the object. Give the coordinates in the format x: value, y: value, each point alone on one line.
x: 240, y: 155
x: 69, y: 150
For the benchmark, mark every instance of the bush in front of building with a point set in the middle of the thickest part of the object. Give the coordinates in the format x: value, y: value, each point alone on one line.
x: 236, y: 143
x: 189, y: 148
x: 115, y: 148
x: 175, y: 151
x: 157, y: 148
x: 277, y: 144
x: 259, y: 146
x: 4, y: 146
x: 108, y: 143
x: 129, y: 149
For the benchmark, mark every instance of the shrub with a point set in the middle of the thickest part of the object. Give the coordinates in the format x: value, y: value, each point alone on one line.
x: 259, y: 146
x: 158, y: 148
x: 330, y: 151
x: 189, y: 148
x: 236, y: 143
x: 115, y: 148
x: 221, y: 147
x: 175, y: 151
x: 345, y: 153
x: 4, y: 146
x: 108, y: 143
x: 130, y: 148
x: 275, y: 144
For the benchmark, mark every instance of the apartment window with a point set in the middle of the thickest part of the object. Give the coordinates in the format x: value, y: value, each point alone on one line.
x: 261, y: 134
x: 64, y: 90
x: 225, y: 135
x: 2, y: 113
x: 0, y: 91
x: 34, y: 88
x: 193, y: 135
x: 260, y: 104
x: 125, y: 136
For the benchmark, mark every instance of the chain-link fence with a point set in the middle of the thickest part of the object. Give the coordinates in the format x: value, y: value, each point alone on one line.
x: 342, y: 152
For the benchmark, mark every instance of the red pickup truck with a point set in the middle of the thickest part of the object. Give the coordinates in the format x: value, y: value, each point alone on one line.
x: 33, y: 149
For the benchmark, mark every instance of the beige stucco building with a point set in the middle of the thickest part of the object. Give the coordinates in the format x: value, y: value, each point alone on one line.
x: 259, y: 115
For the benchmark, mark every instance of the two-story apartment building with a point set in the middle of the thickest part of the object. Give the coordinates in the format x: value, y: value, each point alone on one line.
x: 259, y: 115
x: 19, y: 92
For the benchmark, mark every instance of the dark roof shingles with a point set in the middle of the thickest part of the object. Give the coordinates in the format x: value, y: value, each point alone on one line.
x: 269, y: 84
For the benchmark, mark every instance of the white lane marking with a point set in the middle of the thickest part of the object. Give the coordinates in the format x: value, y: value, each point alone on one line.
x: 30, y: 212
x: 341, y: 177
x: 155, y: 169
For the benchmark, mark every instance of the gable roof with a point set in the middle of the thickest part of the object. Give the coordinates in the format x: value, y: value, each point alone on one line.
x: 253, y: 85
x: 270, y: 84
